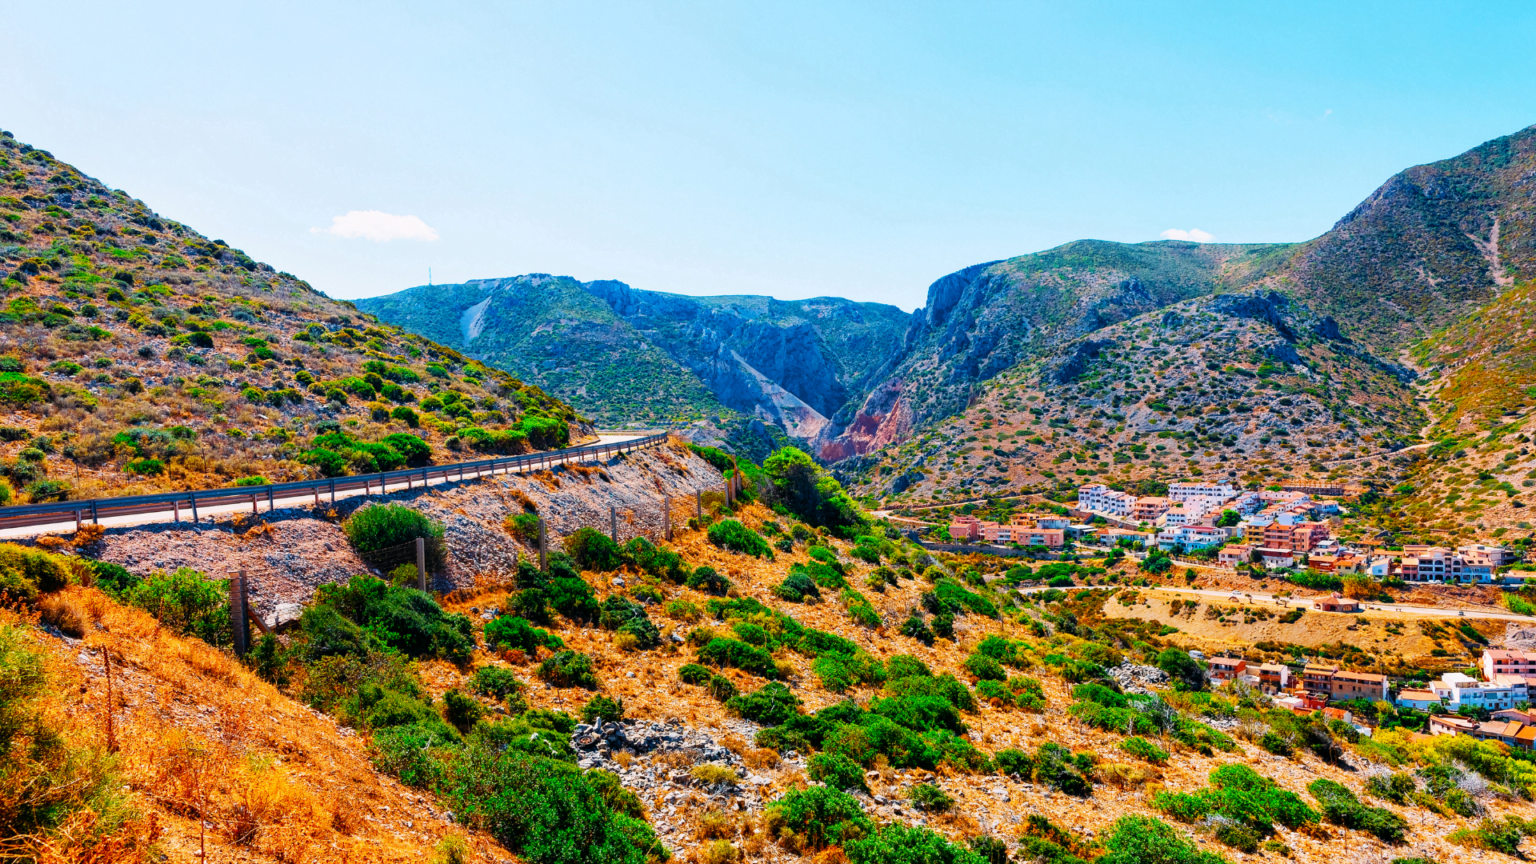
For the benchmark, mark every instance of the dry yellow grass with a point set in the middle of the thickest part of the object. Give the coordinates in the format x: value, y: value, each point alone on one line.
x: 203, y: 742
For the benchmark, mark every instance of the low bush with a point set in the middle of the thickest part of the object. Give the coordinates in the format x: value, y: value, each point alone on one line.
x: 1341, y: 807
x: 569, y: 669
x: 601, y: 708
x: 797, y: 588
x: 1496, y: 835
x: 377, y: 527
x: 510, y: 631
x: 895, y: 843
x: 817, y: 817
x: 740, y: 655
x: 402, y: 618
x: 591, y: 549
x: 693, y: 673
x: 837, y: 771
x: 1144, y: 840
x: 499, y: 683
x: 1144, y: 750
x: 185, y: 601
x: 770, y: 705
x: 732, y: 535
x: 930, y: 798
x: 461, y: 712
x: 708, y: 581
x: 985, y: 668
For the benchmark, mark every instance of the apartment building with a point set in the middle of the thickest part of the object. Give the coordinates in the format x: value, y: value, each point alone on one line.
x: 1341, y: 563
x: 1274, y: 558
x: 1306, y: 535
x: 965, y: 528
x: 1328, y: 680
x: 1455, y: 689
x: 1182, y: 492
x: 1150, y: 509
x: 1101, y: 499
x: 1500, y: 661
x: 1476, y: 563
x: 1191, y: 537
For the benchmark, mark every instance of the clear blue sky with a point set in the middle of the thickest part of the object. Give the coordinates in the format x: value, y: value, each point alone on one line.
x: 793, y: 149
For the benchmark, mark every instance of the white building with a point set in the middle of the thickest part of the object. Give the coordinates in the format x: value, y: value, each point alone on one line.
x: 1191, y: 537
x: 1098, y: 498
x: 1182, y: 492
x: 1455, y: 689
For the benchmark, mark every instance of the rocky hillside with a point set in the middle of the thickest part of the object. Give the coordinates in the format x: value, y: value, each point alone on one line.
x: 140, y: 355
x: 1433, y: 243
x: 1253, y: 387
x: 645, y: 357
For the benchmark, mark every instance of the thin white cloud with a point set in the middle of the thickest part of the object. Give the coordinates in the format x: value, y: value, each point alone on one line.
x: 377, y: 226
x: 1194, y: 234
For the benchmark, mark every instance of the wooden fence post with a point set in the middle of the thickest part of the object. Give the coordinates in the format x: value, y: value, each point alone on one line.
x: 543, y: 546
x: 666, y: 516
x: 421, y: 563
x: 698, y: 503
x: 613, y: 523
x: 237, y: 611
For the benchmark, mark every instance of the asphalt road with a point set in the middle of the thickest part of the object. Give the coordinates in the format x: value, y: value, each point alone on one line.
x: 304, y: 500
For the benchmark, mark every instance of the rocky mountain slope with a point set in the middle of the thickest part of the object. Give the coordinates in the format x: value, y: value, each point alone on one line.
x: 1252, y: 387
x: 628, y: 356
x: 140, y: 355
x: 1422, y: 275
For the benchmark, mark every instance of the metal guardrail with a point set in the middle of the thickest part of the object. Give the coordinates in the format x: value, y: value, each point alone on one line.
x: 96, y: 509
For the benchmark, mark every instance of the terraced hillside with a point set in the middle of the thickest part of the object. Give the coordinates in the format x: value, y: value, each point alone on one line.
x: 140, y: 355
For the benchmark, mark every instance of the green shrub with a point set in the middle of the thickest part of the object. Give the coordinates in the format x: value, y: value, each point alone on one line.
x: 112, y: 578
x: 413, y: 754
x: 721, y: 689
x: 985, y: 668
x: 797, y: 588
x: 187, y: 602
x: 1144, y: 840
x: 900, y: 844
x: 736, y: 537
x: 836, y: 771
x: 693, y: 673
x: 840, y: 672
x: 916, y: 629
x: 1495, y: 835
x: 509, y: 631
x: 930, y: 798
x: 403, y: 618
x: 26, y: 572
x: 919, y: 713
x: 498, y: 683
x: 462, y: 712
x: 601, y: 708
x: 542, y: 810
x: 708, y: 581
x: 569, y: 669
x: 906, y: 666
x: 734, y: 653
x: 377, y: 527
x: 1144, y: 750
x: 770, y: 705
x: 594, y: 550
x: 1341, y: 807
x: 819, y: 817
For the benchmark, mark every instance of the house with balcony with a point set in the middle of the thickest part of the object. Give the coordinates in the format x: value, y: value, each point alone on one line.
x: 1150, y: 508
x: 1275, y: 558
x: 1098, y: 498
x: 1456, y: 689
x: 1227, y: 668
x: 1274, y: 678
x: 1507, y: 661
x: 1232, y: 555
